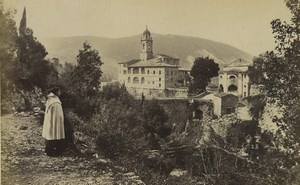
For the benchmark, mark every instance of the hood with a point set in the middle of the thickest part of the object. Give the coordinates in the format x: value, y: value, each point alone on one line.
x: 52, y: 98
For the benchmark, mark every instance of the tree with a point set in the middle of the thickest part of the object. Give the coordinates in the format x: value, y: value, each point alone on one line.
x: 202, y: 71
x: 8, y: 36
x: 281, y: 69
x: 155, y: 118
x: 33, y: 68
x: 86, y: 75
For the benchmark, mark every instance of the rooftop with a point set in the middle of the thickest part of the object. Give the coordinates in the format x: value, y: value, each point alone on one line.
x: 153, y: 62
x: 222, y: 94
x: 239, y: 63
x: 130, y: 62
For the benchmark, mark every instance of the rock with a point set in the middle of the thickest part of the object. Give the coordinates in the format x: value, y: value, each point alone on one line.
x: 23, y: 128
x: 129, y: 174
x: 178, y: 172
x: 96, y: 156
x: 103, y: 161
x: 36, y: 109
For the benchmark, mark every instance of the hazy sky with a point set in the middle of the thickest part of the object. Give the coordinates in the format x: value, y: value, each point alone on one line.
x: 244, y: 24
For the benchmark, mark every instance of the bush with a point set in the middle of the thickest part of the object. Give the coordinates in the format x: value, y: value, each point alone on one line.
x: 112, y: 145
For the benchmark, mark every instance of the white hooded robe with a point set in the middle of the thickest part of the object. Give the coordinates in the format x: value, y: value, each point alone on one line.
x: 53, y: 128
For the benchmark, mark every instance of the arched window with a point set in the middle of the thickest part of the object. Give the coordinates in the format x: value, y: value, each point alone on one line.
x: 136, y: 80
x: 129, y: 80
x: 142, y: 80
x: 232, y: 88
x: 221, y: 88
x: 143, y: 46
x: 232, y: 77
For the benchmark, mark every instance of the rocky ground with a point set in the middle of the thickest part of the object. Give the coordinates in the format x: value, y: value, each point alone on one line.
x: 23, y: 160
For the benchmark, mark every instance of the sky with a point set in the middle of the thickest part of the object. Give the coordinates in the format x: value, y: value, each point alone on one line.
x: 244, y: 24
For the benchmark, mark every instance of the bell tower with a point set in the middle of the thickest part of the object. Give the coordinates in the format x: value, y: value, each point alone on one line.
x: 146, y: 46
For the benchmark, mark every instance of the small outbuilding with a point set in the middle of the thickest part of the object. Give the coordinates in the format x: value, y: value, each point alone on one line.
x: 225, y: 103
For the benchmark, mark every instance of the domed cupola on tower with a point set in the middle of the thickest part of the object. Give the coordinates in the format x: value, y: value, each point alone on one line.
x: 146, y: 45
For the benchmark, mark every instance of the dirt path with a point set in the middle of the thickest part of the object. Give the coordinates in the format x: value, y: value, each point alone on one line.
x: 23, y: 160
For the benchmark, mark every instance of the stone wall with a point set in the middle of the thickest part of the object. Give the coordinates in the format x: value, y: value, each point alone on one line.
x: 159, y: 93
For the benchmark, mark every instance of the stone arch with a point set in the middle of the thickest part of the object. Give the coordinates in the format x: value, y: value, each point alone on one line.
x: 232, y: 88
x: 136, y: 80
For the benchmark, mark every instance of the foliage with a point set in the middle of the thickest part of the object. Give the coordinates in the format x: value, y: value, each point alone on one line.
x: 117, y: 123
x: 202, y: 71
x: 33, y: 68
x: 85, y: 78
x: 154, y: 119
x: 116, y: 91
x: 8, y: 36
x: 281, y: 69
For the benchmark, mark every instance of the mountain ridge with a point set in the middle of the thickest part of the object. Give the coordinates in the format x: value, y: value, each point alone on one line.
x: 115, y: 50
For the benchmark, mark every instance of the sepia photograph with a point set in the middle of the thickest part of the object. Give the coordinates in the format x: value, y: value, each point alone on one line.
x: 150, y: 92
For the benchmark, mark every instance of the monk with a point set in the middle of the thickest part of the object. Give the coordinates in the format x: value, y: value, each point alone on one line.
x: 53, y: 126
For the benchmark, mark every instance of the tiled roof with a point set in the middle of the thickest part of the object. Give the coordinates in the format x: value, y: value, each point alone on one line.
x: 166, y: 56
x: 154, y: 62
x: 240, y: 63
x: 130, y: 62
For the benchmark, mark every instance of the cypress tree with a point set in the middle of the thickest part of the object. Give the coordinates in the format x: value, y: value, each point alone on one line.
x: 23, y: 26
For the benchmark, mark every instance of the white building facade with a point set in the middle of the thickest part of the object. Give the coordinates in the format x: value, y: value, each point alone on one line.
x: 234, y: 78
x: 150, y: 73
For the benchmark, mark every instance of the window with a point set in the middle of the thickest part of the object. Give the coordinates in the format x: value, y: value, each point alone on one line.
x: 171, y: 72
x: 124, y: 71
x: 135, y: 70
x: 159, y: 85
x: 220, y: 76
x: 245, y: 94
x: 143, y: 46
x: 129, y: 80
x: 135, y: 80
x: 232, y: 79
x: 159, y: 79
x: 143, y: 70
x: 198, y: 114
x: 148, y: 72
x: 129, y: 70
x: 152, y: 82
x: 228, y: 110
x: 154, y: 72
x: 142, y: 80
x: 159, y: 72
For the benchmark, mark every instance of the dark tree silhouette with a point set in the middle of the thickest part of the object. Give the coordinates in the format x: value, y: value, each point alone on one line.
x: 202, y: 71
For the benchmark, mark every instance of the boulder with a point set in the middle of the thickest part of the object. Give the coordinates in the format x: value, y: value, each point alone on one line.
x: 178, y: 173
